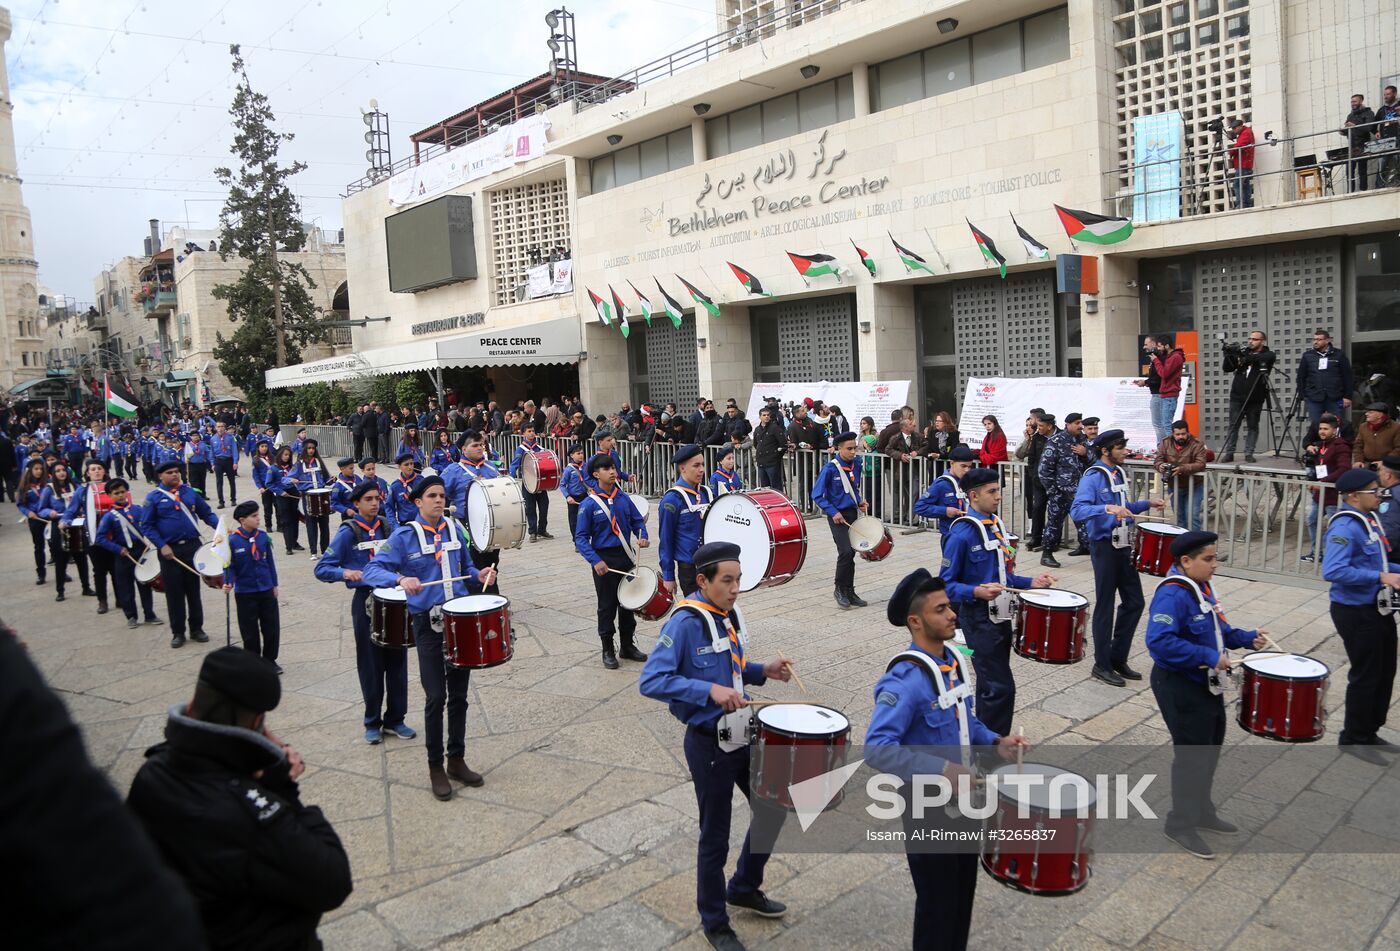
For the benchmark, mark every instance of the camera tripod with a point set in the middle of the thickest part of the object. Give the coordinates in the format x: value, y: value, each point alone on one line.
x: 1280, y: 431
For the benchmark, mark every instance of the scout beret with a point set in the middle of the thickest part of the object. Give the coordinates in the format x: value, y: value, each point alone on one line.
x: 423, y: 486
x: 1189, y: 543
x: 842, y: 438
x: 247, y: 679
x: 1354, y: 479
x: 244, y: 509
x: 686, y: 453
x: 345, y: 461
x: 358, y: 492
x: 168, y: 464
x: 976, y: 478
x: 913, y: 584
x: 962, y: 454
x: 368, y: 461
x: 712, y: 553
x: 403, y: 457
x: 575, y: 447
x: 1108, y: 437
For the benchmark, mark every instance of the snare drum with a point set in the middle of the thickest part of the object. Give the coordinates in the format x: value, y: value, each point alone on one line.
x: 871, y: 538
x: 99, y: 503
x: 539, y: 470
x: 74, y: 538
x: 476, y: 631
x: 796, y: 742
x: 318, y: 502
x: 388, y: 618
x: 1284, y: 696
x: 1154, y: 547
x: 495, y: 513
x: 1047, y: 852
x: 642, y: 504
x: 644, y: 594
x: 1050, y: 626
x: 210, y: 566
x: 147, y: 570
x: 769, y: 531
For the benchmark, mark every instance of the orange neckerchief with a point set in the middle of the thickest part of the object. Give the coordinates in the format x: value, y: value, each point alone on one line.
x: 611, y: 513
x: 252, y: 543
x: 371, y: 530
x: 1003, y: 542
x: 437, y: 537
x: 736, y: 650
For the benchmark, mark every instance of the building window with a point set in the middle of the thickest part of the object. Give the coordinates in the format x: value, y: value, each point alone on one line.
x: 529, y: 226
x: 657, y: 156
x: 781, y: 117
x: 1377, y: 264
x: 1168, y: 290
x: 25, y: 357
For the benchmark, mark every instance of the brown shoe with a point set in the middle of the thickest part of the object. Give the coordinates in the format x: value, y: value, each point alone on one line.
x: 442, y: 789
x: 458, y: 769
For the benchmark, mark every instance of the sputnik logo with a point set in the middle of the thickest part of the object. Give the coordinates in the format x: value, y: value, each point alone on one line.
x: 810, y: 797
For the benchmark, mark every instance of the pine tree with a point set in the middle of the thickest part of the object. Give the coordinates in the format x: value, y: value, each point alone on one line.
x: 261, y: 219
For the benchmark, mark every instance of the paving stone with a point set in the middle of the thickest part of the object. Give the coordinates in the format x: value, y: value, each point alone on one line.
x: 361, y: 931
x: 516, y: 929
x: 625, y: 925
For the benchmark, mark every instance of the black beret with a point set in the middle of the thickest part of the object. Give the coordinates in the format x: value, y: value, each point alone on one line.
x: 842, y: 438
x: 1074, y: 418
x: 913, y: 584
x: 368, y: 461
x: 1090, y: 420
x: 599, y: 461
x: 725, y: 450
x: 1048, y: 418
x: 686, y: 453
x: 1354, y: 479
x: 403, y: 457
x: 978, y: 477
x: 712, y: 553
x: 1189, y: 543
x: 426, y: 483
x: 962, y: 454
x: 168, y: 464
x: 345, y: 461
x: 368, y: 485
x: 1392, y: 463
x: 247, y: 679
x: 244, y: 509
x: 575, y: 447
x: 1108, y: 437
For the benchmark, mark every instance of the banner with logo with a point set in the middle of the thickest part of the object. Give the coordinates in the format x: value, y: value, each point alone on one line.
x: 519, y: 142
x: 876, y: 399
x: 1157, y: 166
x: 1114, y: 400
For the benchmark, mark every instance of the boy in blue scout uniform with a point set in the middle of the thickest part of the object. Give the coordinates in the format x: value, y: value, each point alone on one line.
x: 344, y: 484
x: 944, y: 499
x: 74, y: 448
x: 725, y: 478
x: 976, y: 569
x: 572, y: 487
x: 699, y: 669
x: 383, y: 671
x: 1186, y: 632
x: 607, y: 446
x: 252, y: 577
x: 425, y: 549
x: 457, y: 479
x: 679, y: 521
x: 119, y: 532
x: 910, y: 713
x: 536, y: 503
x: 170, y: 520
x: 198, y: 461
x: 1101, y: 504
x: 1358, y: 562
x: 836, y: 490
x: 607, y: 520
x: 369, y: 473
x: 223, y: 447
x: 401, y: 510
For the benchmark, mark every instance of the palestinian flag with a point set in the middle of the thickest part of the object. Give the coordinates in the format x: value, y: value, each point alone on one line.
x: 120, y: 401
x: 988, y: 248
x: 815, y: 265
x: 646, y: 304
x: 911, y: 261
x: 751, y: 283
x: 673, y: 306
x: 1034, y: 249
x: 603, y: 308
x: 865, y: 258
x: 621, y: 313
x: 698, y: 297
x: 1095, y: 229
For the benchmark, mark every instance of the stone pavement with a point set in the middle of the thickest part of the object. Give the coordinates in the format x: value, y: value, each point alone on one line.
x: 583, y: 835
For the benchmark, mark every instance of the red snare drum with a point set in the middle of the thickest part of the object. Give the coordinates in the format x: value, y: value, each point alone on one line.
x: 1154, y: 547
x: 644, y: 594
x: 797, y: 741
x: 318, y: 502
x: 539, y: 471
x: 74, y: 538
x: 769, y: 531
x: 99, y: 503
x: 1014, y: 541
x: 1284, y: 697
x: 1045, y: 852
x: 871, y: 538
x: 1049, y: 626
x: 388, y: 618
x: 476, y: 631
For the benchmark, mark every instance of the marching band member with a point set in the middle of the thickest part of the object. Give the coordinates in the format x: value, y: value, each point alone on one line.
x: 458, y: 478
x: 699, y: 668
x: 252, y: 577
x: 383, y: 672
x: 74, y: 448
x: 28, y: 494
x: 444, y: 453
x: 402, y: 511
x: 536, y: 503
x: 409, y: 444
x: 169, y: 521
x: 837, y: 492
x: 341, y: 488
x: 1101, y: 504
x: 572, y: 487
x: 53, y: 502
x: 119, y: 532
x: 368, y: 472
x: 911, y: 712
x: 262, y: 467
x: 1357, y: 560
x: 283, y: 485
x: 310, y: 473
x: 223, y: 446
x: 977, y: 571
x: 725, y: 478
x: 944, y: 499
x: 607, y: 519
x: 430, y: 548
x: 1187, y: 631
x: 682, y: 512
x: 100, y: 558
x: 607, y: 446
x: 198, y: 462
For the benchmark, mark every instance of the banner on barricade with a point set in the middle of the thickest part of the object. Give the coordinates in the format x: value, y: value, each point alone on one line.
x: 875, y: 398
x: 1114, y: 400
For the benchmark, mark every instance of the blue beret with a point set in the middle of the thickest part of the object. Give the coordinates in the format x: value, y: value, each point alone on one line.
x: 915, y: 583
x: 167, y: 465
x: 368, y: 485
x: 345, y: 461
x: 1354, y: 479
x: 712, y: 553
x: 1188, y: 543
x: 403, y: 457
x: 1108, y: 437
x: 368, y: 460
x: 840, y: 438
x: 423, y: 486
x: 686, y: 453
x: 962, y: 454
x: 243, y: 509
x: 978, y: 477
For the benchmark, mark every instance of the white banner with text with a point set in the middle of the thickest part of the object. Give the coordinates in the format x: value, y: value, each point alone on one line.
x: 876, y: 399
x: 1114, y: 400
x: 496, y: 152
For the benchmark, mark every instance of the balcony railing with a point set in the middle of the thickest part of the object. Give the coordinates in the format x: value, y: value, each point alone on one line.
x: 160, y: 301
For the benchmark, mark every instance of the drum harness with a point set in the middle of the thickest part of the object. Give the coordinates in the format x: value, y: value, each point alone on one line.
x: 1000, y: 608
x: 846, y: 479
x: 1218, y: 684
x: 740, y: 722
x: 604, y: 502
x: 1122, y: 531
x: 175, y: 497
x: 691, y: 498
x: 947, y: 696
x: 1387, y: 598
x: 453, y: 543
x: 957, y: 489
x: 128, y: 526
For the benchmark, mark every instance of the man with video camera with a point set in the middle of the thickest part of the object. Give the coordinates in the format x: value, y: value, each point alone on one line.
x: 1248, y: 390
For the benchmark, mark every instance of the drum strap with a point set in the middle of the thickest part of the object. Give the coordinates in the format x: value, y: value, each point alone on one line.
x: 175, y: 497
x: 727, y: 481
x: 947, y: 696
x: 1372, y: 532
x: 733, y: 642
x: 605, y: 503
x: 691, y: 498
x: 1002, y: 544
x: 846, y: 479
x: 1207, y: 607
x: 957, y: 489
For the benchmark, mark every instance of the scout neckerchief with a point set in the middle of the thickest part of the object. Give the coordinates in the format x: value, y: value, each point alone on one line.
x: 691, y: 498
x: 996, y: 541
x: 436, y: 548
x: 252, y: 543
x: 605, y: 502
x: 126, y: 524
x: 175, y: 497
x: 473, y: 469
x: 730, y: 480
x: 1216, y: 616
x: 950, y: 693
x: 370, y: 543
x: 349, y: 482
x: 733, y: 642
x: 846, y: 475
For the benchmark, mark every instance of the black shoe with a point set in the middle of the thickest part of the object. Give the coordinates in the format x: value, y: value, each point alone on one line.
x: 88, y: 592
x: 221, y: 505
x: 1385, y: 746
x: 856, y: 600
x: 199, y: 637
x: 724, y: 939
x: 60, y: 597
x: 154, y: 620
x: 843, y: 602
x: 1077, y: 552
x: 1367, y: 754
x: 1033, y: 546
x: 67, y: 577
x: 1126, y: 672
x: 546, y: 535
x: 534, y: 538
x: 131, y: 622
x: 1219, y: 826
x: 1109, y: 677
x: 1048, y: 559
x: 298, y: 547
x: 1226, y: 457
x: 1248, y: 458
x: 758, y: 903
x: 41, y: 580
x: 101, y: 605
x: 1191, y: 841
x: 609, y: 659
x: 177, y: 641
x: 630, y: 652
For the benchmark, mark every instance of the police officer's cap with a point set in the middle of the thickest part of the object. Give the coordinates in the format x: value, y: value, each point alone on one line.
x: 245, y: 678
x: 913, y: 584
x: 368, y: 461
x: 243, y: 509
x: 1392, y: 463
x: 1048, y: 418
x: 345, y: 461
x: 712, y: 553
x: 423, y: 486
x: 686, y: 453
x: 1354, y: 479
x: 368, y: 485
x: 1108, y: 437
x: 1378, y: 407
x: 599, y: 461
x: 1188, y: 543
x: 842, y: 439
x: 976, y: 478
x: 167, y: 465
x: 403, y: 457
x: 1090, y: 420
x: 962, y: 454
x: 1074, y: 418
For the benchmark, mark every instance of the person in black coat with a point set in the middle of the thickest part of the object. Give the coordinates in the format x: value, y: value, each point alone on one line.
x: 1324, y: 378
x: 769, y: 445
x: 219, y: 797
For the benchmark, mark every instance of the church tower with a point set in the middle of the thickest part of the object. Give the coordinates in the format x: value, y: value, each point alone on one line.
x: 21, y: 337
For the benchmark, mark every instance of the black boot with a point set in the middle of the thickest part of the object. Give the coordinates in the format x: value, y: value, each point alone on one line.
x: 629, y: 652
x: 101, y: 605
x: 1048, y: 559
x: 609, y: 655
x: 843, y: 602
x: 856, y: 601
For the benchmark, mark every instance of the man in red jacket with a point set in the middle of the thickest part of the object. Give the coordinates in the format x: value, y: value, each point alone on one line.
x: 1168, y: 360
x: 1242, y: 163
x: 1327, y: 459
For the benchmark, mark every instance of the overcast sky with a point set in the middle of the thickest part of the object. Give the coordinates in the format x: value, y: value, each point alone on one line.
x: 121, y: 107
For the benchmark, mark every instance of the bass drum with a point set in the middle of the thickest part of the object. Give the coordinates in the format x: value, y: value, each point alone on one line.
x: 495, y: 513
x: 770, y: 533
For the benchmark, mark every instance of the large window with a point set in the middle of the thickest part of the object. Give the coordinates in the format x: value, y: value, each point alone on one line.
x: 938, y: 361
x: 780, y: 117
x: 992, y: 54
x: 657, y: 156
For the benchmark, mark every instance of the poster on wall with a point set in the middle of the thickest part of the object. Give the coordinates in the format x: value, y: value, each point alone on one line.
x: 1114, y: 400
x: 1157, y: 166
x: 518, y: 142
x: 875, y: 399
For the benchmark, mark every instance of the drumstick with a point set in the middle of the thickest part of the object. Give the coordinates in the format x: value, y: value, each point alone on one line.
x: 795, y: 679
x: 1155, y: 518
x: 1020, y: 750
x: 625, y: 574
x: 1270, y: 641
x: 771, y: 703
x: 443, y: 581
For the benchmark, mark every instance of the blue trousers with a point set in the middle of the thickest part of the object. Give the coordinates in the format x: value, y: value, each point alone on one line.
x: 1114, y: 574
x: 382, y: 670
x: 1317, y: 407
x: 991, y: 658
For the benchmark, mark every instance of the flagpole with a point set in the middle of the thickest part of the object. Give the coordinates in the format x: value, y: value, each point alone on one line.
x: 941, y: 258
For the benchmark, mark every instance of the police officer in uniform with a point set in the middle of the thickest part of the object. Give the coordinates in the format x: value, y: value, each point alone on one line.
x: 944, y: 499
x: 1065, y: 457
x: 1389, y: 513
x: 680, y: 519
x: 171, y: 521
x: 700, y: 667
x: 836, y: 491
x: 1101, y: 503
x: 1357, y: 560
x: 219, y: 798
x: 1187, y: 636
x: 607, y: 520
x: 908, y: 713
x: 976, y: 569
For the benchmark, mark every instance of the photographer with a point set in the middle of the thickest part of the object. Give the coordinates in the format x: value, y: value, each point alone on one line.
x: 1181, y: 458
x: 1248, y: 391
